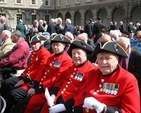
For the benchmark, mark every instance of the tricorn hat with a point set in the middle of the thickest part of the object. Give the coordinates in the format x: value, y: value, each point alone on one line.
x: 111, y: 47
x: 60, y: 38
x: 79, y: 44
x: 37, y: 38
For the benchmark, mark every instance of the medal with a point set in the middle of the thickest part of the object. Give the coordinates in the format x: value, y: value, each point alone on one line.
x: 79, y: 76
x: 57, y: 64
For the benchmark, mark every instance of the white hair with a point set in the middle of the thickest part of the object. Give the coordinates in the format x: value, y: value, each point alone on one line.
x: 69, y: 35
x: 68, y: 21
x: 115, y: 34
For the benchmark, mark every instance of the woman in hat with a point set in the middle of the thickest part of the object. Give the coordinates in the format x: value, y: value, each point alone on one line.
x: 109, y: 89
x: 63, y: 93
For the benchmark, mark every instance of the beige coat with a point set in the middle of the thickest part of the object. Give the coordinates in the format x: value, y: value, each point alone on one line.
x: 5, y: 48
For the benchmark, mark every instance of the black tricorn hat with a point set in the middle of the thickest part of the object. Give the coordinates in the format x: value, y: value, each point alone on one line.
x: 60, y: 38
x: 37, y: 38
x: 79, y: 44
x: 111, y: 47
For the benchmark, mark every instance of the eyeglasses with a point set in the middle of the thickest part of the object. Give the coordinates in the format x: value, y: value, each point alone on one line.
x: 139, y: 37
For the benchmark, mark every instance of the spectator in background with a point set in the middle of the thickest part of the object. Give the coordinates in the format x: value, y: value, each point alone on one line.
x: 84, y: 38
x: 110, y: 27
x: 70, y: 36
x: 35, y: 23
x: 105, y: 38
x: 89, y: 28
x: 59, y: 27
x: 115, y: 34
x: 121, y: 27
x: 51, y: 27
x: 1, y: 29
x: 17, y: 58
x: 97, y: 29
x: 131, y: 28
x: 3, y: 21
x: 40, y: 26
x: 45, y: 25
x: 133, y: 62
x: 6, y: 45
x: 21, y: 28
x: 28, y: 33
x: 46, y: 42
x: 137, y: 42
x: 132, y: 37
x: 114, y: 26
x: 81, y: 29
x: 68, y: 27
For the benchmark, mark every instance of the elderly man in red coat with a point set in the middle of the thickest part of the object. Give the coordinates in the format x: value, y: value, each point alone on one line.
x: 57, y: 63
x: 38, y: 59
x: 63, y: 93
x: 110, y: 88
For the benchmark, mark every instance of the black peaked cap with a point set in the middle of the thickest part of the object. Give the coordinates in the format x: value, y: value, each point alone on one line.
x: 37, y: 38
x: 79, y: 44
x: 111, y: 47
x: 60, y: 38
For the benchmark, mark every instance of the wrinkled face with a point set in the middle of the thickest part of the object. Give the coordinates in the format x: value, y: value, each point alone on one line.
x: 107, y: 62
x: 58, y: 47
x: 79, y: 56
x: 35, y: 46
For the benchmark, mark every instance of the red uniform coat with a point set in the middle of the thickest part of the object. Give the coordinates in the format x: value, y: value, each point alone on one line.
x: 56, y: 65
x: 38, y: 59
x: 119, y: 90
x: 72, y: 82
x: 18, y: 56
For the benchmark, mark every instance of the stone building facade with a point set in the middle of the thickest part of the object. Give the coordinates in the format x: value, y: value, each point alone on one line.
x: 79, y: 11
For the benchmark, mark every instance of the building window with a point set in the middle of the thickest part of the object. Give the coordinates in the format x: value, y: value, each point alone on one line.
x: 47, y: 2
x: 59, y: 2
x: 67, y: 2
x: 77, y: 1
x: 88, y: 0
x: 18, y: 1
x: 33, y: 17
x: 2, y: 14
x: 33, y: 1
x: 19, y: 16
x: 47, y: 18
x: 2, y: 0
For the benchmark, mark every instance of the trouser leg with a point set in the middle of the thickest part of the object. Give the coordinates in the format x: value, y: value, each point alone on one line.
x: 7, y: 85
x: 20, y: 106
x: 14, y: 96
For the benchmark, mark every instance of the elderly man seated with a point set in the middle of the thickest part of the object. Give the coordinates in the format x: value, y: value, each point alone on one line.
x: 17, y: 58
x: 6, y: 45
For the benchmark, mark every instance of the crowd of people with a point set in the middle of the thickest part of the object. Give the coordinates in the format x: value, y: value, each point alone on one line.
x: 70, y: 69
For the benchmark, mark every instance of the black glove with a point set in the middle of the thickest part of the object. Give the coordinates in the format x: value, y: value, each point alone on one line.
x: 33, y: 84
x: 39, y: 89
x: 26, y: 78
